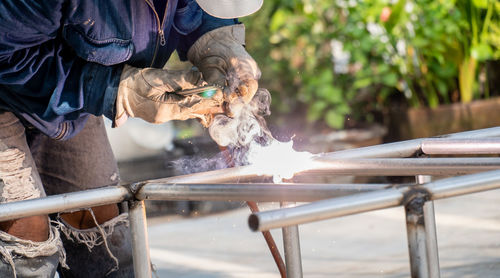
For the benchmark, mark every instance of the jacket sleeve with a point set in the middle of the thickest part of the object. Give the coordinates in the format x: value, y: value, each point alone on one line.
x: 40, y: 74
x: 207, y: 24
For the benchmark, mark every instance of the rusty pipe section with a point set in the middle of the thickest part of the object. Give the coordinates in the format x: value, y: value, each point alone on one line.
x: 363, y: 202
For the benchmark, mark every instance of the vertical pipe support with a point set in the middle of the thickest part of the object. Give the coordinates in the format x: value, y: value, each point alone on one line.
x: 291, y: 246
x: 421, y: 231
x: 140, y: 243
x: 430, y: 231
x: 415, y: 228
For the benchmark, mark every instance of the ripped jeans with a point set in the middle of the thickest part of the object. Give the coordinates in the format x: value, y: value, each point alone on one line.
x: 33, y: 165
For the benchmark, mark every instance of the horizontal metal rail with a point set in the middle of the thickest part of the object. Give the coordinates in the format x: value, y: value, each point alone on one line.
x: 404, y: 166
x: 253, y: 192
x: 177, y: 189
x: 363, y: 202
x: 409, y: 148
x: 64, y: 202
x: 194, y: 192
x: 461, y: 146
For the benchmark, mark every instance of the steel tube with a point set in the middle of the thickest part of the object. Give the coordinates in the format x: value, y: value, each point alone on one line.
x: 415, y: 227
x: 322, y: 164
x: 252, y: 192
x: 400, y: 149
x: 421, y: 232
x: 430, y: 232
x: 404, y: 166
x: 362, y: 202
x: 462, y: 185
x: 431, y: 240
x: 140, y: 243
x: 64, y: 202
x: 291, y: 247
x: 461, y: 146
x: 410, y: 147
x: 325, y: 209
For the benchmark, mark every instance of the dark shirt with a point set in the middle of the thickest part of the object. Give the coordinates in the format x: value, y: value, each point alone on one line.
x: 61, y: 60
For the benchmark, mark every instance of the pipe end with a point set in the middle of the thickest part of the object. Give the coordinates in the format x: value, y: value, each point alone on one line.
x: 253, y: 222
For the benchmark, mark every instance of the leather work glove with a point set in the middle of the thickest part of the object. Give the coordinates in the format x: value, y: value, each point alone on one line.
x: 221, y: 57
x: 150, y: 94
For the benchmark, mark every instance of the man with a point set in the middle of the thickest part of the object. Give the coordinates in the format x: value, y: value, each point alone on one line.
x: 63, y: 63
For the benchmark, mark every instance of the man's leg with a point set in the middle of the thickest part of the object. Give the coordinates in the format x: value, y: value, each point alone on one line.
x: 84, y: 162
x: 28, y: 247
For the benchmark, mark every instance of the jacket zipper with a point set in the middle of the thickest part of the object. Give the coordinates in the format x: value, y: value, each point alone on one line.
x: 161, y: 34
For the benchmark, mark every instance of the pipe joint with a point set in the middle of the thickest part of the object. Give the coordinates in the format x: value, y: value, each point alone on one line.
x: 414, y: 200
x: 134, y: 188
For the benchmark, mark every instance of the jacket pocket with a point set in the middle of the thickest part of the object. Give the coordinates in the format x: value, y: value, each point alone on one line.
x: 188, y: 18
x: 107, y: 52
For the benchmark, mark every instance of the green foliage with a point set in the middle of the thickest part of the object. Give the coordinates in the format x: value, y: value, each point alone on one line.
x: 351, y: 57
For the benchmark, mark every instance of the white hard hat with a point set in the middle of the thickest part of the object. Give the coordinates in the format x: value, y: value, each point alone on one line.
x: 230, y: 8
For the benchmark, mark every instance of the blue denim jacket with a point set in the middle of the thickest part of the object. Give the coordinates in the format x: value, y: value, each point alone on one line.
x: 61, y: 60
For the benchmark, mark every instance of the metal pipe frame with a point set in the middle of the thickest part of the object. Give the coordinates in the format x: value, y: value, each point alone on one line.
x: 375, y: 200
x: 169, y: 189
x: 449, y: 144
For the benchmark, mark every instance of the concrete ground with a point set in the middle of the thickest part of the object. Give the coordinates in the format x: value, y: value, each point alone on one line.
x: 371, y: 244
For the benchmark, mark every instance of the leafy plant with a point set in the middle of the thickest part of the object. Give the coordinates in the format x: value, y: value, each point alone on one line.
x: 350, y: 57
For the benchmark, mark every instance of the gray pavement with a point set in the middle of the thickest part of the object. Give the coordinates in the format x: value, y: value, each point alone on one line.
x: 371, y: 244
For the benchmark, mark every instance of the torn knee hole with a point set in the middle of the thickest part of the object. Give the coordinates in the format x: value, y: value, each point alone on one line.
x: 16, y: 180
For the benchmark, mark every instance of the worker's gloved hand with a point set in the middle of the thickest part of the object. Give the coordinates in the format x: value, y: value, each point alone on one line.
x: 149, y: 94
x: 221, y: 57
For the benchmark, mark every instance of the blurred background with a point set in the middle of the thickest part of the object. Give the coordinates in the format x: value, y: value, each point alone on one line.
x: 334, y: 65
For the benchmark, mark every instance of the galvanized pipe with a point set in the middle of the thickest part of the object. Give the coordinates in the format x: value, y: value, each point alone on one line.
x: 363, y: 202
x: 403, y: 166
x: 421, y: 232
x: 399, y: 149
x: 408, y: 148
x: 415, y: 227
x: 430, y: 233
x: 325, y: 209
x: 140, y: 242
x: 461, y: 146
x: 291, y: 247
x: 320, y: 164
x: 64, y: 202
x: 251, y: 191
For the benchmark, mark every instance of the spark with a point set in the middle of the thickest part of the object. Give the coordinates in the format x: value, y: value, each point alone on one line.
x: 278, y: 160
